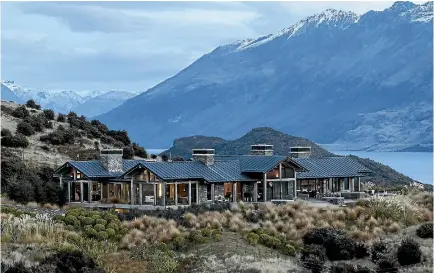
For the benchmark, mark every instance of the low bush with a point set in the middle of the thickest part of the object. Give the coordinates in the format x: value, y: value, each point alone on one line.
x: 425, y: 230
x: 20, y: 112
x: 363, y: 269
x: 252, y: 238
x: 25, y: 128
x: 387, y: 266
x: 269, y: 241
x: 379, y: 251
x: 288, y: 249
x: 338, y: 245
x: 314, y: 264
x: 361, y: 251
x: 17, y: 141
x: 15, y: 212
x: 32, y: 104
x: 61, y: 118
x: 159, y: 258
x: 6, y: 132
x: 409, y: 252
x: 49, y: 114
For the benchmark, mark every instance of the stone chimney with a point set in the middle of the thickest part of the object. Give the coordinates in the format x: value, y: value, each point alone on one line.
x: 111, y: 159
x: 204, y: 155
x: 300, y: 151
x: 261, y: 149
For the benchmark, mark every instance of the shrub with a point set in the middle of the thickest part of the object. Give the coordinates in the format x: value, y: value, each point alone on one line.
x: 387, y: 266
x: 288, y: 249
x: 425, y: 230
x: 6, y: 132
x: 409, y: 252
x: 252, y: 238
x: 102, y: 235
x: 32, y: 104
x: 361, y: 251
x: 25, y: 128
x: 38, y: 122
x: 128, y: 153
x: 342, y: 268
x: 49, y: 114
x: 363, y: 269
x: 179, y: 242
x: 20, y: 112
x: 269, y: 241
x: 379, y: 250
x: 313, y: 250
x: 139, y: 151
x: 338, y: 245
x: 17, y: 141
x: 61, y: 118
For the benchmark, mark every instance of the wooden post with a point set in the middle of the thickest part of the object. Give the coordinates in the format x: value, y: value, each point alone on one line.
x: 176, y: 194
x: 132, y: 191
x: 189, y: 193
x: 234, y: 192
x: 155, y: 194
x: 141, y: 193
x: 108, y: 191
x: 265, y: 187
x: 89, y: 191
x: 69, y: 191
x: 212, y: 192
x: 163, y: 193
x: 255, y: 191
x: 280, y: 177
x: 81, y: 191
x: 60, y: 182
x: 197, y: 193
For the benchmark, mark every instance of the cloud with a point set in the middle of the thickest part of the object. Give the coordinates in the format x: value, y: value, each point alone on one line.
x: 92, y: 17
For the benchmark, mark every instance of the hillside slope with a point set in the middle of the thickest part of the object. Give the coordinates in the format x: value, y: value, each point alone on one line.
x: 381, y: 175
x: 313, y: 79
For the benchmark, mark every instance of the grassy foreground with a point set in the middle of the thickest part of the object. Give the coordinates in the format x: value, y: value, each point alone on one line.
x: 373, y: 236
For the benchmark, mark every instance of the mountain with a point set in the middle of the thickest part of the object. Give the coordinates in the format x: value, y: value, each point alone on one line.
x: 8, y: 95
x: 317, y: 79
x: 94, y: 103
x: 381, y: 174
x: 102, y: 103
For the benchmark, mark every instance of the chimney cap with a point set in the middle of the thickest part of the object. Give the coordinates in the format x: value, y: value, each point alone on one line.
x: 203, y: 151
x: 262, y: 147
x: 111, y: 151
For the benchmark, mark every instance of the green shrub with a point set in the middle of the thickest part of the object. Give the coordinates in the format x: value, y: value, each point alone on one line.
x: 91, y: 232
x: 361, y: 251
x: 102, y: 235
x: 179, y: 242
x: 25, y: 128
x: 379, y: 251
x: 159, y: 259
x: 32, y: 104
x: 70, y: 227
x: 101, y: 222
x: 88, y: 221
x: 425, y: 230
x: 252, y: 238
x: 269, y: 241
x: 20, y: 112
x: 38, y: 122
x: 49, y: 114
x: 110, y: 232
x: 18, y: 141
x: 409, y: 252
x: 70, y: 219
x: 288, y: 249
x: 206, y: 232
x: 6, y: 132
x: 61, y: 118
x: 216, y: 237
x: 99, y: 227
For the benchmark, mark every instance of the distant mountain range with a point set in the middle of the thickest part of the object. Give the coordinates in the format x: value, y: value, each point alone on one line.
x: 335, y: 77
x: 381, y: 174
x: 95, y: 103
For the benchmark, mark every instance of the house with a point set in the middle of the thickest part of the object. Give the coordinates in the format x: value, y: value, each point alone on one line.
x: 258, y: 177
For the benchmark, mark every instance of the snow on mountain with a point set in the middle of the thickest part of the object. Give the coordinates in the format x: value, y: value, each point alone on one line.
x: 313, y: 80
x: 93, y: 103
x: 103, y: 103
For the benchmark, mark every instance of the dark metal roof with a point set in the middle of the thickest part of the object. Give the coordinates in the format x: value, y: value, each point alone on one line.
x: 254, y: 163
x: 330, y: 167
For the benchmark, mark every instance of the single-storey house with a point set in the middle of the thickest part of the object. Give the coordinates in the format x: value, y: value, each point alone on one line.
x: 258, y: 177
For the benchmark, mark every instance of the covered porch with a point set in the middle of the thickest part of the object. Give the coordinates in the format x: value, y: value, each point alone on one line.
x: 324, y: 187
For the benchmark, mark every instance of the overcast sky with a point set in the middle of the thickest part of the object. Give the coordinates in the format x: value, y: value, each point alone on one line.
x: 132, y: 45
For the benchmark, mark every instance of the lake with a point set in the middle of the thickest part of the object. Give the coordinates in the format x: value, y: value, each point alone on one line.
x: 418, y: 166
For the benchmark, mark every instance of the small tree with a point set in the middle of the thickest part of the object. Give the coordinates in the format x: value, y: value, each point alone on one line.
x: 25, y: 128
x: 32, y: 104
x: 61, y: 118
x: 153, y: 156
x: 18, y: 141
x: 128, y: 153
x: 165, y: 158
x: 49, y: 114
x: 20, y: 112
x: 409, y: 252
x: 6, y: 132
x: 139, y: 151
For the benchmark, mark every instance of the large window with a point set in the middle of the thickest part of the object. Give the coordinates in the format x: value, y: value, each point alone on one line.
x: 288, y: 173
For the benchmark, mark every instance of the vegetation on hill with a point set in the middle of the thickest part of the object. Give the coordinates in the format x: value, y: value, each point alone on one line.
x: 381, y: 175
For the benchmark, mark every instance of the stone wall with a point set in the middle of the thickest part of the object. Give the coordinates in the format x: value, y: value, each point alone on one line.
x: 219, y: 191
x: 202, y: 193
x: 258, y: 152
x: 111, y: 162
x: 206, y: 159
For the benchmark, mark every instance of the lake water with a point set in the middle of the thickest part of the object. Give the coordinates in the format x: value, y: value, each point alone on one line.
x: 418, y: 166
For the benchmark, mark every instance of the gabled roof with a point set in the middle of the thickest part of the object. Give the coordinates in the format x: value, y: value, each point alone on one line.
x: 330, y: 167
x: 256, y: 163
x: 93, y: 169
x: 218, y: 172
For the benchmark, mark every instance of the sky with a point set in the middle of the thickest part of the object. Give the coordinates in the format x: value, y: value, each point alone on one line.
x: 86, y: 46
